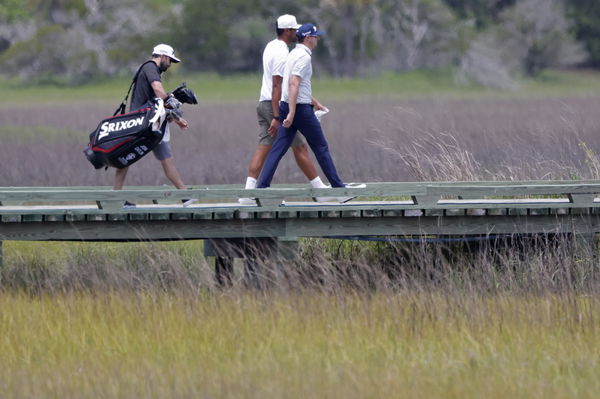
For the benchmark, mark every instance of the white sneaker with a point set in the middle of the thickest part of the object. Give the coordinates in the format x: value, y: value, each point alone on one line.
x: 343, y: 200
x: 247, y: 201
x: 189, y: 202
x: 325, y: 199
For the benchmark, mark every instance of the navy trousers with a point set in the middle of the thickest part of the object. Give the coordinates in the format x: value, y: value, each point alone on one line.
x: 307, y: 123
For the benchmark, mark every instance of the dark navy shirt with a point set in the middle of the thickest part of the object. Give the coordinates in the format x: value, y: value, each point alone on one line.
x: 142, y: 90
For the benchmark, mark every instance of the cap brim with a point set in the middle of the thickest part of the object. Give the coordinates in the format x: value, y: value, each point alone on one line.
x: 290, y: 27
x: 175, y: 59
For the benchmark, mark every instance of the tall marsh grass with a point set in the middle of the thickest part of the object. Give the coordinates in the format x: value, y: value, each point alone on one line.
x: 512, y: 318
x: 406, y: 344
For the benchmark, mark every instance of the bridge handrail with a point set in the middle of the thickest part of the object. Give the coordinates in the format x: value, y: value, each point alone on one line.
x: 405, y: 195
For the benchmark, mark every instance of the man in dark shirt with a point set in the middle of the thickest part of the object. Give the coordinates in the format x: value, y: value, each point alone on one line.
x: 147, y: 87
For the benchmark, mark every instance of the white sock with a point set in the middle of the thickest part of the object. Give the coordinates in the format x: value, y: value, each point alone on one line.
x: 318, y: 183
x: 250, y: 183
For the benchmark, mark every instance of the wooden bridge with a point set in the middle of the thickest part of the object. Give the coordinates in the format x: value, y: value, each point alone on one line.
x: 284, y: 213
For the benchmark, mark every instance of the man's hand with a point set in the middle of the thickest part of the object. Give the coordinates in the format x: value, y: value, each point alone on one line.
x: 318, y: 106
x: 182, y: 123
x: 287, y: 122
x: 272, y: 130
x: 172, y: 103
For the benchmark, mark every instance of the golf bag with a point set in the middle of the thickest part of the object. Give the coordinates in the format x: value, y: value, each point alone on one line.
x: 124, y: 139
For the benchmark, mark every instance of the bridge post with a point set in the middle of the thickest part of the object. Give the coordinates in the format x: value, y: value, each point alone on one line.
x: 255, y: 252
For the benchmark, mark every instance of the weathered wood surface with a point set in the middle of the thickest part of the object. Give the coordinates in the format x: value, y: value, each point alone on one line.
x: 407, y: 208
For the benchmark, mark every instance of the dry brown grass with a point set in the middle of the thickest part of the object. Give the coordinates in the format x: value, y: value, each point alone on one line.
x: 398, y: 140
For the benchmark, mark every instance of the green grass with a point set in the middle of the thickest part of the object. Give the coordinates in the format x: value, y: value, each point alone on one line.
x: 213, y: 88
x: 412, y: 345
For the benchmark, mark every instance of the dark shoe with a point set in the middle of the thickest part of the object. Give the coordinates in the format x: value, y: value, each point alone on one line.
x: 128, y: 205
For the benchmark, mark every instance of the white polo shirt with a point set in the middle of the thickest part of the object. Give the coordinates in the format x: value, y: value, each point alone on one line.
x: 274, y: 55
x: 298, y: 63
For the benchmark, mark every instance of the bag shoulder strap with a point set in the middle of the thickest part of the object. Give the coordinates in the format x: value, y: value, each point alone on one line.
x: 122, y: 107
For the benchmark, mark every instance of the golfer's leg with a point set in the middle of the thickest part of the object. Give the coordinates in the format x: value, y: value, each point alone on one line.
x: 264, y: 114
x: 172, y: 174
x: 120, y: 175
x: 258, y: 160
x: 304, y: 162
x: 280, y: 146
x: 309, y: 126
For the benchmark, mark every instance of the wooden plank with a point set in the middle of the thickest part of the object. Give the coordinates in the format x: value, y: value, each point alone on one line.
x: 538, y: 212
x: 16, y: 218
x: 224, y: 215
x: 517, y: 211
x: 69, y: 217
x: 138, y: 216
x: 110, y: 206
x: 455, y: 212
x: 266, y: 215
x: 92, y: 218
x: 143, y: 230
x: 458, y: 225
x: 331, y: 214
x: 423, y: 191
x: 182, y: 216
x: 497, y: 212
x: 426, y: 201
x: 476, y: 212
x: 116, y: 217
x: 582, y: 199
x: 54, y: 218
x: 245, y: 215
x: 287, y: 214
x: 160, y: 216
x: 308, y: 214
x: 392, y: 213
x: 350, y: 213
x: 371, y: 213
x: 434, y: 212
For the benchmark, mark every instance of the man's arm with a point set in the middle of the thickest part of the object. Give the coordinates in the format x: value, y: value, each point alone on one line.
x: 160, y: 92
x: 293, y: 98
x: 275, y: 97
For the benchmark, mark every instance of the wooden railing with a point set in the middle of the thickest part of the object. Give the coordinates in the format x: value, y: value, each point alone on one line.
x: 408, y: 208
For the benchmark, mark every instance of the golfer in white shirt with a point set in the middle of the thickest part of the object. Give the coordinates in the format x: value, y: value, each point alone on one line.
x: 297, y: 112
x: 274, y: 56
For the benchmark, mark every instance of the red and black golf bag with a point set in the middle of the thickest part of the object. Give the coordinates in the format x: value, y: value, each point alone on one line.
x: 124, y: 139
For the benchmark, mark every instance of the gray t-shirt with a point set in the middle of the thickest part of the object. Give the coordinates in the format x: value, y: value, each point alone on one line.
x: 142, y: 90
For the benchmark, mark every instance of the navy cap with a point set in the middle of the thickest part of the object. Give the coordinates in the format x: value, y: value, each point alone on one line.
x: 308, y: 30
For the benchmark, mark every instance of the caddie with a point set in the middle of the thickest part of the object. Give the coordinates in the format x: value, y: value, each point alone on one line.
x: 147, y: 87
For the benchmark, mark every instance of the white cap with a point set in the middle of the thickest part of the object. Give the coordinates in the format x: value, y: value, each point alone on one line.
x: 287, y: 21
x: 165, y: 49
